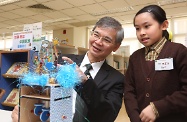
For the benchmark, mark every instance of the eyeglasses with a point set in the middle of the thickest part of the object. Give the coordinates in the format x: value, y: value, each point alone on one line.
x: 104, y: 39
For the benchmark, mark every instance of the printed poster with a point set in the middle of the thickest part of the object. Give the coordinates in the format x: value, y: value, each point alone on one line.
x: 36, y: 29
x: 22, y: 40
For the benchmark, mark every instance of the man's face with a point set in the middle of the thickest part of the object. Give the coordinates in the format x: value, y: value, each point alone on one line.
x: 102, y: 43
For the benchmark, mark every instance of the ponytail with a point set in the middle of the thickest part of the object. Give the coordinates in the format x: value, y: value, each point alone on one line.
x: 166, y: 35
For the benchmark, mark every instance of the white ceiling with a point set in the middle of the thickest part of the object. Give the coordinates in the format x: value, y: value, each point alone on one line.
x: 74, y: 13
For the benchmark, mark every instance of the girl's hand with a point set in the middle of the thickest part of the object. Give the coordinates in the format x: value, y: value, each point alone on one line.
x: 147, y: 114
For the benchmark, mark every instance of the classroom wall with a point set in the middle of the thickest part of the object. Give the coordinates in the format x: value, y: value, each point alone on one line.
x: 80, y: 37
x: 64, y: 34
x: 76, y: 36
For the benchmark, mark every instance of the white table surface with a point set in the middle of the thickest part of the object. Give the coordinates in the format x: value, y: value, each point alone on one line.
x: 5, y: 116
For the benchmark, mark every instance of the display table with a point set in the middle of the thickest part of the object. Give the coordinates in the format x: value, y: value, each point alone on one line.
x: 5, y: 116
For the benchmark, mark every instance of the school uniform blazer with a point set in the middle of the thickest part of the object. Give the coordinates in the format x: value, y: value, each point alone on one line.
x: 166, y: 89
x: 103, y: 94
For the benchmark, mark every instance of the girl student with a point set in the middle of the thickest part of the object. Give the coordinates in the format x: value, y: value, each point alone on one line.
x: 156, y: 79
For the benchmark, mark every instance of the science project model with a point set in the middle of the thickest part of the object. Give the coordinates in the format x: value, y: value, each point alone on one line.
x: 46, y: 94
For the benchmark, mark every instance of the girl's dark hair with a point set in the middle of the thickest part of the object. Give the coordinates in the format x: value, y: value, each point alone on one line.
x: 157, y: 13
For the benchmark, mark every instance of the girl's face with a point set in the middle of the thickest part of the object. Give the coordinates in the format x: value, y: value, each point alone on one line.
x: 148, y: 30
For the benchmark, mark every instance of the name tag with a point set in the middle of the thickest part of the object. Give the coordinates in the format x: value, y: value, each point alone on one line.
x: 164, y: 64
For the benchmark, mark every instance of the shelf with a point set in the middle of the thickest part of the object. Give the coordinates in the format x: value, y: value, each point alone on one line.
x: 81, y: 50
x: 36, y: 96
x: 10, y: 76
x: 120, y: 69
x: 14, y: 51
x: 8, y: 104
x: 2, y: 92
x: 9, y: 80
x: 117, y: 55
x: 65, y: 46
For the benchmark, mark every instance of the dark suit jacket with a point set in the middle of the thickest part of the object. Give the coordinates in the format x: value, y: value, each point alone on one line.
x: 103, y: 94
x: 166, y: 89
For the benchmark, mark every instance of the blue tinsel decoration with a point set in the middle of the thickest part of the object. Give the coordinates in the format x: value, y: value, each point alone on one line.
x: 31, y: 78
x: 67, y: 75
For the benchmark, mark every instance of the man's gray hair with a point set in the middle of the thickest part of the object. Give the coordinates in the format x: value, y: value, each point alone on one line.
x: 109, y: 22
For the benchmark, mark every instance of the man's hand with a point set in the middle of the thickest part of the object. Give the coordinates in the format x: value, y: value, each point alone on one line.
x: 81, y: 74
x: 147, y: 114
x: 15, y: 114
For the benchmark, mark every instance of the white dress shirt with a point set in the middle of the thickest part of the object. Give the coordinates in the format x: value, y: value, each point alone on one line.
x: 96, y: 66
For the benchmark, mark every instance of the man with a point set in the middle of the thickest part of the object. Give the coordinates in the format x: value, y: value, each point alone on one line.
x: 102, y: 91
